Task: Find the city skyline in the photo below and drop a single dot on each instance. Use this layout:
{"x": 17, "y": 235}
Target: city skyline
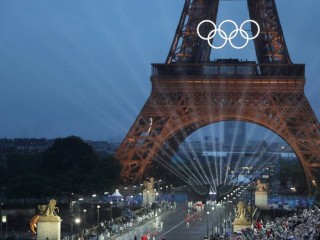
{"x": 82, "y": 68}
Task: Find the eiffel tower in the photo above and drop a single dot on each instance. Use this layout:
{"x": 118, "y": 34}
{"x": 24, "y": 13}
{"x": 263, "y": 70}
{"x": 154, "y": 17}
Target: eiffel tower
{"x": 189, "y": 92}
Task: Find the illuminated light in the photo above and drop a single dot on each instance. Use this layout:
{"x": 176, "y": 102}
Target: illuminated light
{"x": 231, "y": 36}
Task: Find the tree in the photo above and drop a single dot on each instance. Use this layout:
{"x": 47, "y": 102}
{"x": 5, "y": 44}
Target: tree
{"x": 28, "y": 186}
{"x": 73, "y": 166}
{"x": 105, "y": 174}
{"x": 293, "y": 171}
{"x": 69, "y": 166}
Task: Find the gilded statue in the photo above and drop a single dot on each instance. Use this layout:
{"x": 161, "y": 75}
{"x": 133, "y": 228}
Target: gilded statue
{"x": 48, "y": 210}
{"x": 149, "y": 185}
{"x": 241, "y": 210}
{"x": 261, "y": 187}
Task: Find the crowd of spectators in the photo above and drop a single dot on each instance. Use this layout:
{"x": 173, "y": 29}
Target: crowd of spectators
{"x": 303, "y": 226}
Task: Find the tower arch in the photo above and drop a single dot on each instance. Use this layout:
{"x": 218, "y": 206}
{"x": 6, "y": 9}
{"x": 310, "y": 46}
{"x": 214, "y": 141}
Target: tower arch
{"x": 189, "y": 91}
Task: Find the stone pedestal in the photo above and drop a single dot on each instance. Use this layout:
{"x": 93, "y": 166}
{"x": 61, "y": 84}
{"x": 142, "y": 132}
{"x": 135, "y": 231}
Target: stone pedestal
{"x": 240, "y": 224}
{"x": 149, "y": 197}
{"x": 261, "y": 200}
{"x": 49, "y": 228}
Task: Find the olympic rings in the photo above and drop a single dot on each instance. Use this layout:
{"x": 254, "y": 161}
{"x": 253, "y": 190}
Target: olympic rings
{"x": 231, "y": 36}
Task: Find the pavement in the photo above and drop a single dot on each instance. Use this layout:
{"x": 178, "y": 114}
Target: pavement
{"x": 174, "y": 226}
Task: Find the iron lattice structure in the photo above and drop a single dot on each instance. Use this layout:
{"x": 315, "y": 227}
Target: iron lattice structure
{"x": 189, "y": 92}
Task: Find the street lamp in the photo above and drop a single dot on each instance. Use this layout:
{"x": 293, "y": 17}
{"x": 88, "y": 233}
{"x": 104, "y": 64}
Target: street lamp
{"x": 111, "y": 211}
{"x": 208, "y": 225}
{"x": 212, "y": 219}
{"x": 98, "y": 215}
{"x": 225, "y": 215}
{"x": 219, "y": 217}
{"x": 84, "y": 219}
{"x": 131, "y": 210}
{"x": 148, "y": 201}
{"x": 1, "y": 203}
{"x": 4, "y": 220}
{"x": 77, "y": 222}
{"x": 98, "y": 210}
{"x": 159, "y": 181}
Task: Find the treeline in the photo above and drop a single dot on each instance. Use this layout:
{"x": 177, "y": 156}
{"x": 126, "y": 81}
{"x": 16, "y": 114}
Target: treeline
{"x": 68, "y": 166}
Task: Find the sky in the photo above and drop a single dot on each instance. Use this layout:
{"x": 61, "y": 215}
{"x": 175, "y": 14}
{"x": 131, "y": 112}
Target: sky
{"x": 82, "y": 67}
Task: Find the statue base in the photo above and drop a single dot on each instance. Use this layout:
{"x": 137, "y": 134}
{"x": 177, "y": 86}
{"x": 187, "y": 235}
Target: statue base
{"x": 261, "y": 200}
{"x": 240, "y": 224}
{"x": 149, "y": 197}
{"x": 49, "y": 227}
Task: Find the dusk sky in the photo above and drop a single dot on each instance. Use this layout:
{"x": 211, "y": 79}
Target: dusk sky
{"x": 82, "y": 67}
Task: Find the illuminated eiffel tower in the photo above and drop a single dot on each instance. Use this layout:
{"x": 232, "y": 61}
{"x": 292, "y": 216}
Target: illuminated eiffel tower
{"x": 189, "y": 92}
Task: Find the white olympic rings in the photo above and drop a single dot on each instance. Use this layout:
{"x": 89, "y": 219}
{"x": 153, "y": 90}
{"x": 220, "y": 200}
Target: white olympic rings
{"x": 224, "y": 35}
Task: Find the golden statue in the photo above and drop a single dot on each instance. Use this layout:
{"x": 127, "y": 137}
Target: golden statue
{"x": 33, "y": 224}
{"x": 241, "y": 210}
{"x": 45, "y": 210}
{"x": 50, "y": 209}
{"x": 149, "y": 185}
{"x": 261, "y": 187}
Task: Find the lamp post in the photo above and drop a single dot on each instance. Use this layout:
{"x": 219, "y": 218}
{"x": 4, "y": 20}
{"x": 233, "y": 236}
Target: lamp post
{"x": 111, "y": 211}
{"x": 159, "y": 181}
{"x": 98, "y": 216}
{"x": 1, "y": 204}
{"x": 4, "y": 220}
{"x": 77, "y": 222}
{"x": 131, "y": 209}
{"x": 1, "y": 220}
{"x": 208, "y": 224}
{"x": 219, "y": 217}
{"x": 71, "y": 214}
{"x": 225, "y": 215}
{"x": 147, "y": 201}
{"x": 84, "y": 220}
{"x": 212, "y": 219}
{"x": 251, "y": 189}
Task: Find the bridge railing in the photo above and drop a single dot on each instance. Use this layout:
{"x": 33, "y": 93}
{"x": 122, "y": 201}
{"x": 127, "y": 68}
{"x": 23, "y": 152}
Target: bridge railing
{"x": 243, "y": 69}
